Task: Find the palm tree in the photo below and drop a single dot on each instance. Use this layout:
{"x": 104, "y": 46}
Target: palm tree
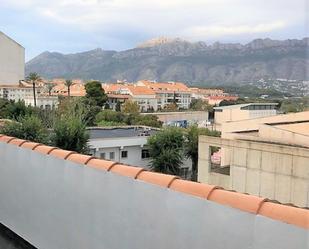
{"x": 68, "y": 84}
{"x": 49, "y": 87}
{"x": 34, "y": 78}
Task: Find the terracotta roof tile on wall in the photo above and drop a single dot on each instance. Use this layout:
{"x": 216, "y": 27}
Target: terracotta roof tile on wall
{"x": 44, "y": 149}
{"x": 62, "y": 154}
{"x": 30, "y": 145}
{"x": 79, "y": 158}
{"x": 193, "y": 188}
{"x": 6, "y": 139}
{"x": 126, "y": 170}
{"x": 156, "y": 178}
{"x": 249, "y": 203}
{"x": 17, "y": 141}
{"x": 287, "y": 214}
{"x": 101, "y": 164}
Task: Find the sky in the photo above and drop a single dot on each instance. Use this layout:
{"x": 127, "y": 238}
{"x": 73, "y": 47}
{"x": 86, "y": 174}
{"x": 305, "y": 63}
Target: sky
{"x": 70, "y": 26}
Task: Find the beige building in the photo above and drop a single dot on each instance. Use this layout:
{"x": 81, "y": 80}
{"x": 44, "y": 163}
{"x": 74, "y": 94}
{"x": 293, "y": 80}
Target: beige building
{"x": 12, "y": 61}
{"x": 230, "y": 113}
{"x": 267, "y": 157}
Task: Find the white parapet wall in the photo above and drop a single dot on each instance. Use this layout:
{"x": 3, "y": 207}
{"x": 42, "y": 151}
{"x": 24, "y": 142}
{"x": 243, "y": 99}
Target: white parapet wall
{"x": 59, "y": 204}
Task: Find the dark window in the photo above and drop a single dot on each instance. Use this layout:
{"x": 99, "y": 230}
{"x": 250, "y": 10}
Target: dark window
{"x": 112, "y": 155}
{"x": 124, "y": 154}
{"x": 102, "y": 155}
{"x": 145, "y": 154}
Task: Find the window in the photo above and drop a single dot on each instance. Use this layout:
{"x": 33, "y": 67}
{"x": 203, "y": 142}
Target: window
{"x": 112, "y": 155}
{"x": 102, "y": 155}
{"x": 124, "y": 154}
{"x": 219, "y": 160}
{"x": 145, "y": 154}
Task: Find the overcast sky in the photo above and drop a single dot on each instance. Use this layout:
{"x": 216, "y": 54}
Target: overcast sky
{"x": 70, "y": 26}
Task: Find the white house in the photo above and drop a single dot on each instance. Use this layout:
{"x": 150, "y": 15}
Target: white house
{"x": 127, "y": 145}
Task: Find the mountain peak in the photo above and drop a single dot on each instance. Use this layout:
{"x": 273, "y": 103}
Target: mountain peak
{"x": 159, "y": 41}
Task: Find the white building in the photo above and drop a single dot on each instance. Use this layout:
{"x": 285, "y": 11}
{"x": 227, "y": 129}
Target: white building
{"x": 12, "y": 61}
{"x": 121, "y": 144}
{"x": 24, "y": 92}
{"x": 127, "y": 145}
{"x": 43, "y": 101}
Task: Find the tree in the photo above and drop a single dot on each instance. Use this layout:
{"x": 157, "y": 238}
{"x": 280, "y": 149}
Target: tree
{"x": 118, "y": 107}
{"x": 49, "y": 87}
{"x": 171, "y": 107}
{"x": 166, "y": 151}
{"x": 200, "y": 105}
{"x": 95, "y": 92}
{"x": 29, "y": 128}
{"x": 70, "y": 131}
{"x": 34, "y": 78}
{"x": 148, "y": 120}
{"x": 130, "y": 107}
{"x": 16, "y": 110}
{"x": 191, "y": 145}
{"x": 68, "y": 84}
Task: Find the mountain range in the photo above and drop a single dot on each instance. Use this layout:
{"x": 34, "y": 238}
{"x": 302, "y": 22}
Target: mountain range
{"x": 165, "y": 59}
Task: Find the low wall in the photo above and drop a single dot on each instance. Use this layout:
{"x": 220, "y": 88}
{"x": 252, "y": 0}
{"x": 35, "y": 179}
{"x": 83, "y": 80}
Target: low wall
{"x": 57, "y": 203}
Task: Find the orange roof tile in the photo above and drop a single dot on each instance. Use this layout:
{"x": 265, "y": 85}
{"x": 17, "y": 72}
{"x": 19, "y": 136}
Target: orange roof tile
{"x": 101, "y": 164}
{"x": 30, "y": 145}
{"x": 126, "y": 170}
{"x": 287, "y": 214}
{"x": 157, "y": 178}
{"x": 166, "y": 86}
{"x": 79, "y": 158}
{"x": 249, "y": 203}
{"x": 193, "y": 188}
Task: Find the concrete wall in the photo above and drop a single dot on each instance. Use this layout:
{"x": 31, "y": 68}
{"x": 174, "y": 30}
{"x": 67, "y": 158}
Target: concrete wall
{"x": 53, "y": 203}
{"x": 12, "y": 61}
{"x": 267, "y": 170}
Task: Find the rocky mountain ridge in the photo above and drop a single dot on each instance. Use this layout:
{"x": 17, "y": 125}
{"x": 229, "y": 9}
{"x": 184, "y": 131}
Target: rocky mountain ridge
{"x": 166, "y": 59}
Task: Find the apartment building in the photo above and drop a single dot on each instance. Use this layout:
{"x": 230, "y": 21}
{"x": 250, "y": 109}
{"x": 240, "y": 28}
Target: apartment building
{"x": 24, "y": 92}
{"x": 169, "y": 92}
{"x": 12, "y": 61}
{"x": 266, "y": 157}
{"x": 15, "y": 93}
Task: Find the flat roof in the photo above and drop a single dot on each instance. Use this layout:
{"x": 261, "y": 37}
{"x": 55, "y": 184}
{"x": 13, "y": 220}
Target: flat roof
{"x": 241, "y": 105}
{"x": 118, "y": 132}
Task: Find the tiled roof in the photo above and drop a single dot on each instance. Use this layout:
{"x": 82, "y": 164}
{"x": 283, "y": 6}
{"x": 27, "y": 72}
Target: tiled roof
{"x": 166, "y": 86}
{"x": 248, "y": 203}
{"x": 133, "y": 89}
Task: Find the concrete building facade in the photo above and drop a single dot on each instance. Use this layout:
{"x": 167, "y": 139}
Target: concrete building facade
{"x": 12, "y": 61}
{"x": 232, "y": 113}
{"x": 267, "y": 157}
